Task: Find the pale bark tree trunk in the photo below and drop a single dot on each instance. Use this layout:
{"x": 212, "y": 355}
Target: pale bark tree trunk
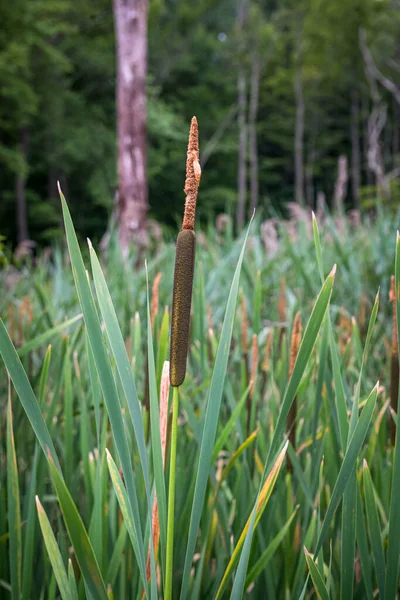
{"x": 321, "y": 205}
{"x": 309, "y": 182}
{"x": 131, "y": 45}
{"x": 299, "y": 125}
{"x": 22, "y": 213}
{"x": 253, "y": 151}
{"x": 376, "y": 124}
{"x": 355, "y": 149}
{"x": 241, "y": 87}
{"x": 341, "y": 185}
{"x": 377, "y": 118}
{"x": 365, "y": 109}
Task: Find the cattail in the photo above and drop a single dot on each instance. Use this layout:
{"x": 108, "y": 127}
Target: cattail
{"x": 295, "y": 342}
{"x": 294, "y": 349}
{"x": 345, "y": 329}
{"x": 154, "y": 300}
{"x": 164, "y": 393}
{"x": 153, "y": 314}
{"x": 268, "y": 351}
{"x": 266, "y": 362}
{"x": 363, "y": 312}
{"x": 253, "y": 377}
{"x": 254, "y": 364}
{"x": 394, "y": 371}
{"x": 184, "y": 265}
{"x": 21, "y": 314}
{"x": 24, "y": 314}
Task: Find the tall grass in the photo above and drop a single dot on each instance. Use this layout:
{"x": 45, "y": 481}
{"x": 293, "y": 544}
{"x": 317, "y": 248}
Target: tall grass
{"x": 269, "y": 502}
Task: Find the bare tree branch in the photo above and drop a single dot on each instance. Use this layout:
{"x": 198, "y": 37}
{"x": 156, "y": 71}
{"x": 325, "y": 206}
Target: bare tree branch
{"x": 217, "y": 135}
{"x": 373, "y": 70}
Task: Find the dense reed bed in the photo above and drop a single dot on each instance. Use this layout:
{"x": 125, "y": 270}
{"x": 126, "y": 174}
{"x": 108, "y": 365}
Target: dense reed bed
{"x": 281, "y": 454}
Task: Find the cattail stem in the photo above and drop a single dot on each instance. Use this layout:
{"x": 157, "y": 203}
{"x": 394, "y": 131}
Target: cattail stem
{"x": 171, "y": 497}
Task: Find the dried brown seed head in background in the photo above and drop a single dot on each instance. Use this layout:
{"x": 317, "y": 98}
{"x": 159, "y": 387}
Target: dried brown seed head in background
{"x": 154, "y": 300}
{"x": 295, "y": 342}
{"x": 254, "y": 364}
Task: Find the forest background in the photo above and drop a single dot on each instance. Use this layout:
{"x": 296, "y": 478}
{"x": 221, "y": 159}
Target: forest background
{"x": 297, "y": 101}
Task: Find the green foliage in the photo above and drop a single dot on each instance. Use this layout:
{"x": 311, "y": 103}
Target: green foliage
{"x": 78, "y": 435}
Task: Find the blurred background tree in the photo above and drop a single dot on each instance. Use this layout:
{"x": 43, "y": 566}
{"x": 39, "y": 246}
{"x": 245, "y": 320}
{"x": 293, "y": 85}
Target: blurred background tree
{"x": 281, "y": 89}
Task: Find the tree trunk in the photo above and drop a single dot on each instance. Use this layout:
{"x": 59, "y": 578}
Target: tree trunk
{"x": 376, "y": 124}
{"x": 309, "y": 182}
{"x": 253, "y": 152}
{"x": 355, "y": 149}
{"x": 341, "y": 185}
{"x": 22, "y": 214}
{"x": 365, "y": 109}
{"x": 241, "y": 86}
{"x": 131, "y": 45}
{"x": 299, "y": 125}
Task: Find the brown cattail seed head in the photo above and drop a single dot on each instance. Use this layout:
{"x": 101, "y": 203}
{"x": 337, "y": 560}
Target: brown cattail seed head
{"x": 184, "y": 264}
{"x": 254, "y": 364}
{"x": 181, "y": 303}
{"x": 363, "y": 311}
{"x": 295, "y": 342}
{"x": 193, "y": 174}
{"x": 268, "y": 350}
{"x": 154, "y": 300}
